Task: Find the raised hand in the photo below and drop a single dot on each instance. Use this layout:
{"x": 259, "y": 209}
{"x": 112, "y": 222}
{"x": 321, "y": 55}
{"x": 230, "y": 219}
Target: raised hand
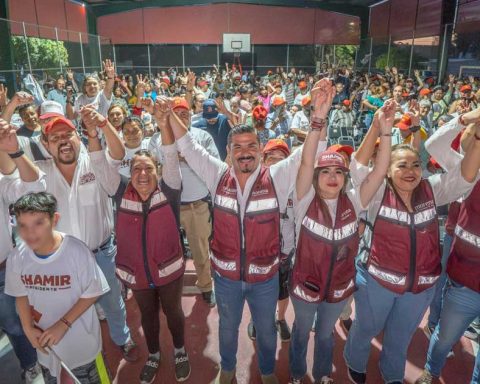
{"x": 394, "y": 71}
{"x": 191, "y": 81}
{"x": 386, "y": 116}
{"x": 322, "y": 95}
{"x": 162, "y": 108}
{"x": 140, "y": 87}
{"x": 22, "y": 98}
{"x": 109, "y": 68}
{"x": 451, "y": 78}
{"x": 8, "y": 138}
{"x": 3, "y": 95}
{"x": 221, "y": 106}
{"x": 91, "y": 118}
{"x": 69, "y": 74}
{"x": 416, "y": 72}
{"x": 414, "y": 113}
{"x": 147, "y": 104}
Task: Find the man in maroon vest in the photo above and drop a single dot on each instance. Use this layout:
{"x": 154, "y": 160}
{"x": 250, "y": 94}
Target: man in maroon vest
{"x": 248, "y": 199}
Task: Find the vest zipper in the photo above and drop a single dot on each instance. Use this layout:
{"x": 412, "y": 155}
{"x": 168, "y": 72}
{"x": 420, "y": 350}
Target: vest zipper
{"x": 333, "y": 257}
{"x": 413, "y": 253}
{"x": 145, "y": 206}
{"x": 243, "y": 247}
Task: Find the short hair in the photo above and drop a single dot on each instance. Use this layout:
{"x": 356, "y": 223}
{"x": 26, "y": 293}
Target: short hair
{"x": 425, "y": 103}
{"x": 240, "y": 129}
{"x": 133, "y": 119}
{"x": 145, "y": 153}
{"x": 23, "y": 108}
{"x": 446, "y": 118}
{"x": 404, "y": 147}
{"x": 117, "y": 105}
{"x": 39, "y": 202}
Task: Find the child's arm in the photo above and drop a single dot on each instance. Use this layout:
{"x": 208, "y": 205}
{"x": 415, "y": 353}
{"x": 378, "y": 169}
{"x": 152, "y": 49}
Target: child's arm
{"x": 54, "y": 334}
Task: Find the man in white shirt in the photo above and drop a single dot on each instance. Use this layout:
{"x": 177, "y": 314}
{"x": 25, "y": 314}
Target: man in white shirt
{"x": 194, "y": 208}
{"x": 56, "y": 281}
{"x": 14, "y": 184}
{"x": 81, "y": 182}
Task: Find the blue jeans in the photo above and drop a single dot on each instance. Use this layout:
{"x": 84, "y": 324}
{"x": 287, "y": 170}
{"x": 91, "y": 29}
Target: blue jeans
{"x": 10, "y": 324}
{"x": 377, "y": 309}
{"x": 436, "y": 305}
{"x": 112, "y": 302}
{"x": 327, "y": 315}
{"x": 262, "y": 301}
{"x": 461, "y": 306}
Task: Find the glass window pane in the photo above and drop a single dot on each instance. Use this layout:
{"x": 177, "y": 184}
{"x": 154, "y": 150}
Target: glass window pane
{"x": 302, "y": 57}
{"x": 131, "y": 57}
{"x": 269, "y": 57}
{"x": 200, "y": 56}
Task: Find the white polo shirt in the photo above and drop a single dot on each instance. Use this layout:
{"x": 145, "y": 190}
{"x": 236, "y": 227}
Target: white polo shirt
{"x": 11, "y": 189}
{"x": 85, "y": 206}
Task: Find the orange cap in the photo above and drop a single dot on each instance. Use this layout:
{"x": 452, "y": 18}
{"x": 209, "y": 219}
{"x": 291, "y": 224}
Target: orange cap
{"x": 405, "y": 123}
{"x": 276, "y": 144}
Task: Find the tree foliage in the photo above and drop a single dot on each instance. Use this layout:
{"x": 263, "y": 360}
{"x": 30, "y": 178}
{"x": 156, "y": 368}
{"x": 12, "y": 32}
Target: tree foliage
{"x": 44, "y": 53}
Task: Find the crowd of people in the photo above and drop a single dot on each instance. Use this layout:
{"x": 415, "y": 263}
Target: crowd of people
{"x": 318, "y": 189}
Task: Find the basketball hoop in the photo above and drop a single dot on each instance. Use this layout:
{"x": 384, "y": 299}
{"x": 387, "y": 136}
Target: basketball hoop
{"x": 236, "y": 53}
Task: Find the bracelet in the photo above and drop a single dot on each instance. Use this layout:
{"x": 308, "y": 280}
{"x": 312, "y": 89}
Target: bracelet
{"x": 66, "y": 322}
{"x": 103, "y": 124}
{"x": 461, "y": 120}
{"x": 17, "y": 154}
{"x": 387, "y": 134}
{"x": 110, "y": 78}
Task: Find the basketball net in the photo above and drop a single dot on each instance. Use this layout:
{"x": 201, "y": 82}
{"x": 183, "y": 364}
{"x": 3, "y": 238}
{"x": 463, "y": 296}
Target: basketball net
{"x": 236, "y": 60}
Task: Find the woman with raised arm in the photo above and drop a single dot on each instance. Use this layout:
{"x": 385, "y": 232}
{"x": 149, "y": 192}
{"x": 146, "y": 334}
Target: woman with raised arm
{"x": 326, "y": 216}
{"x": 399, "y": 263}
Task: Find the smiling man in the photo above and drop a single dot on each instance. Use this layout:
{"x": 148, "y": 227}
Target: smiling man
{"x": 248, "y": 198}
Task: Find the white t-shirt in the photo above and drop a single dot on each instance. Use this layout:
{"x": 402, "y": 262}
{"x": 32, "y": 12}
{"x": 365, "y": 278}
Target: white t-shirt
{"x": 129, "y": 153}
{"x": 53, "y": 286}
{"x": 300, "y": 121}
{"x": 100, "y": 102}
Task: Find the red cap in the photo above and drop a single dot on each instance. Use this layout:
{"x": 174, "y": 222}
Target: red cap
{"x": 277, "y": 101}
{"x": 302, "y": 85}
{"x": 202, "y": 83}
{"x": 259, "y": 112}
{"x": 466, "y": 88}
{"x": 58, "y": 121}
{"x": 346, "y": 102}
{"x": 405, "y": 94}
{"x": 166, "y": 80}
{"x": 179, "y": 103}
{"x": 405, "y": 123}
{"x": 331, "y": 159}
{"x": 348, "y": 149}
{"x": 276, "y": 144}
{"x": 306, "y": 100}
{"x": 425, "y": 92}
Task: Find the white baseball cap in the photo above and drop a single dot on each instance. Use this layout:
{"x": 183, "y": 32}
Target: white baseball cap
{"x": 50, "y": 108}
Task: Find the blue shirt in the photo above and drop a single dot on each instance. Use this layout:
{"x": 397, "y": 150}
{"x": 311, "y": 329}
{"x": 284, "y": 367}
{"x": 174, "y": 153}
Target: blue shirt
{"x": 58, "y": 96}
{"x": 219, "y": 132}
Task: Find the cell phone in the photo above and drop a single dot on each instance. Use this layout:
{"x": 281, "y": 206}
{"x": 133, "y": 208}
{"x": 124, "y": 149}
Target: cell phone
{"x": 313, "y": 287}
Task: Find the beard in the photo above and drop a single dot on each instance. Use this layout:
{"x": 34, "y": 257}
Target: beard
{"x": 68, "y": 158}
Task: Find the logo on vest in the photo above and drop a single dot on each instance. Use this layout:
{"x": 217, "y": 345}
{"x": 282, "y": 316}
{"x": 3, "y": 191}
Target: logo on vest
{"x": 87, "y": 178}
{"x": 426, "y": 205}
{"x": 47, "y": 282}
{"x": 260, "y": 192}
{"x": 345, "y": 214}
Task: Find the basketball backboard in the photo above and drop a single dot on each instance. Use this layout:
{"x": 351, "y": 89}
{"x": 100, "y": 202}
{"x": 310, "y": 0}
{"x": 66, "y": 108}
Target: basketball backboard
{"x": 236, "y": 43}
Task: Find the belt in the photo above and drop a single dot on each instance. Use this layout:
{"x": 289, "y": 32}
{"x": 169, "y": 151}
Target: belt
{"x": 102, "y": 246}
{"x": 196, "y": 202}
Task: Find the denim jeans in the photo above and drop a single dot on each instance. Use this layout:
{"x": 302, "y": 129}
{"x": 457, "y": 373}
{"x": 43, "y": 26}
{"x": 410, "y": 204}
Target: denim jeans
{"x": 262, "y": 301}
{"x": 10, "y": 324}
{"x": 327, "y": 315}
{"x": 377, "y": 309}
{"x": 461, "y": 306}
{"x": 112, "y": 302}
{"x": 436, "y": 305}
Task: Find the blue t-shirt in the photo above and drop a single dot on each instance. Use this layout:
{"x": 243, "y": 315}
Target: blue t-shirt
{"x": 219, "y": 132}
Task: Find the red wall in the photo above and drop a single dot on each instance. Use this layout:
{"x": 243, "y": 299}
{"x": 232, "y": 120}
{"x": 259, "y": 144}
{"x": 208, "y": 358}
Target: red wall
{"x": 62, "y": 14}
{"x": 206, "y": 25}
{"x": 400, "y": 18}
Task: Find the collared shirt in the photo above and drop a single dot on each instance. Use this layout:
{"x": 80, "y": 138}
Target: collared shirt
{"x": 11, "y": 189}
{"x": 193, "y": 188}
{"x": 211, "y": 170}
{"x": 58, "y": 96}
{"x": 85, "y": 206}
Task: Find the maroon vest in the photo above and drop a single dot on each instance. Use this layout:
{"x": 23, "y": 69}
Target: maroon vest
{"x": 148, "y": 241}
{"x": 324, "y": 266}
{"x": 405, "y": 247}
{"x": 464, "y": 262}
{"x": 257, "y": 260}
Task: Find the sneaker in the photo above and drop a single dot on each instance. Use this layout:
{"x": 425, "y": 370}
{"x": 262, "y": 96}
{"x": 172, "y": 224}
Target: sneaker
{"x": 225, "y": 377}
{"x": 295, "y": 381}
{"x": 269, "y": 379}
{"x": 326, "y": 380}
{"x": 33, "y": 375}
{"x": 471, "y": 333}
{"x": 130, "y": 351}
{"x": 182, "y": 366}
{"x": 149, "y": 371}
{"x": 426, "y": 378}
{"x": 209, "y": 298}
{"x": 357, "y": 377}
{"x": 283, "y": 330}
{"x": 428, "y": 331}
{"x": 252, "y": 333}
{"x": 346, "y": 324}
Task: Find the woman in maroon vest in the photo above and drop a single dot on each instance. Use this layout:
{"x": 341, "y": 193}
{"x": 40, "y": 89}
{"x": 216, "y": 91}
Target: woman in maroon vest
{"x": 150, "y": 257}
{"x": 399, "y": 262}
{"x": 326, "y": 216}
